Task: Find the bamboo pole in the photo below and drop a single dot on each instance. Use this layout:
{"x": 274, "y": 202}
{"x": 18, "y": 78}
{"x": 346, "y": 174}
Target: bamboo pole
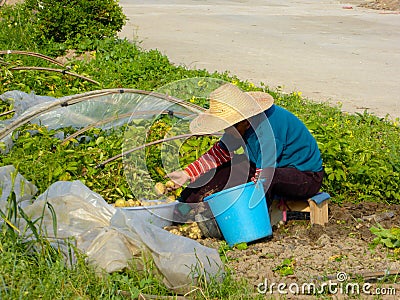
{"x": 65, "y": 72}
{"x": 108, "y": 120}
{"x": 34, "y": 54}
{"x": 7, "y": 113}
{"x": 181, "y": 136}
{"x": 74, "y": 99}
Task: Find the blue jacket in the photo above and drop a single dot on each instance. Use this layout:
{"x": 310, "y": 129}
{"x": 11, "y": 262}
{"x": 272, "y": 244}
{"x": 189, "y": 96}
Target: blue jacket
{"x": 277, "y": 138}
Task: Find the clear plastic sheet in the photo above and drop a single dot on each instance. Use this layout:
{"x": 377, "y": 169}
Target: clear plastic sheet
{"x": 110, "y": 109}
{"x": 12, "y": 181}
{"x": 110, "y": 239}
{"x": 81, "y": 110}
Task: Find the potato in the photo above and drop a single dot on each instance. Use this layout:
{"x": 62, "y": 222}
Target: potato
{"x": 131, "y": 202}
{"x": 119, "y": 203}
{"x": 171, "y": 198}
{"x": 159, "y": 188}
{"x": 169, "y": 184}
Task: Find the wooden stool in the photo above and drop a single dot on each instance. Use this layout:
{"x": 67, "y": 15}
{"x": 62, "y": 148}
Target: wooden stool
{"x": 317, "y": 206}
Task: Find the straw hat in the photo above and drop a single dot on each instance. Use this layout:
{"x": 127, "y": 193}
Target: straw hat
{"x": 228, "y": 106}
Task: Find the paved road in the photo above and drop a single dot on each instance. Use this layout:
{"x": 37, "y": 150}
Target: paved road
{"x": 319, "y": 47}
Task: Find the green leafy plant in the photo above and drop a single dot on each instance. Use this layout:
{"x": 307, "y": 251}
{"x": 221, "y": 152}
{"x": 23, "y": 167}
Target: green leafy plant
{"x": 16, "y": 27}
{"x": 286, "y": 267}
{"x": 390, "y": 238}
{"x": 223, "y": 249}
{"x": 361, "y": 162}
{"x": 74, "y": 21}
{"x": 242, "y": 246}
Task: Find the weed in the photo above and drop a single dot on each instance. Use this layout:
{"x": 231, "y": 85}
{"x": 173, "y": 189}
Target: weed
{"x": 286, "y": 267}
{"x": 390, "y": 238}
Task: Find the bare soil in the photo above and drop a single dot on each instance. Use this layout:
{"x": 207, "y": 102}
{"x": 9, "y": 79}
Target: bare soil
{"x": 391, "y": 5}
{"x": 342, "y": 245}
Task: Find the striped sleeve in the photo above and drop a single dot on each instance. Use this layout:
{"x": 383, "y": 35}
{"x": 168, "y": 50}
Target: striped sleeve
{"x": 257, "y": 175}
{"x": 213, "y": 158}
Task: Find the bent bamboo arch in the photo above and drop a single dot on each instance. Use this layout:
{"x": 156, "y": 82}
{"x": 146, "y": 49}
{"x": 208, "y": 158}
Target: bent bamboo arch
{"x": 115, "y": 118}
{"x": 34, "y": 54}
{"x": 181, "y": 136}
{"x": 74, "y": 99}
{"x": 64, "y": 71}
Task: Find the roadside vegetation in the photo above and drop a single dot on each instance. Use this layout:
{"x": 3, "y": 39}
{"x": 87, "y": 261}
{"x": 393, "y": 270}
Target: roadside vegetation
{"x": 361, "y": 152}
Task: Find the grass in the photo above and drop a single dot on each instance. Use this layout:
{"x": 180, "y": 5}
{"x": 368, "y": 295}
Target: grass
{"x": 31, "y": 274}
{"x": 32, "y": 268}
{"x": 361, "y": 154}
{"x": 34, "y": 275}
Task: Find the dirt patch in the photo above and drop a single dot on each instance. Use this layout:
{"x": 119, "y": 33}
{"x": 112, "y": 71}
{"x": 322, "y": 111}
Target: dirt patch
{"x": 73, "y": 55}
{"x": 391, "y": 5}
{"x": 343, "y": 245}
{"x": 10, "y": 2}
{"x": 387, "y": 5}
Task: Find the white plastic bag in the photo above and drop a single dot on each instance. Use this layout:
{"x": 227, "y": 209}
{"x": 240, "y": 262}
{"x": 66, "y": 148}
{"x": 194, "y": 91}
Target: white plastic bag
{"x": 110, "y": 239}
{"x": 10, "y": 181}
{"x": 182, "y": 261}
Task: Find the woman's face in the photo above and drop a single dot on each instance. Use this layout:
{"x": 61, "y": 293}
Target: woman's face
{"x": 238, "y": 129}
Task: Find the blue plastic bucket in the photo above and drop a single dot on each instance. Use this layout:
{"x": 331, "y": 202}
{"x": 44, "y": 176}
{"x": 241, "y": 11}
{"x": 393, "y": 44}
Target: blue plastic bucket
{"x": 241, "y": 213}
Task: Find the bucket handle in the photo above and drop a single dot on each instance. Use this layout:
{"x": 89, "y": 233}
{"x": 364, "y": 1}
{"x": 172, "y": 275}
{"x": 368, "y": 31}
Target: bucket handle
{"x": 259, "y": 184}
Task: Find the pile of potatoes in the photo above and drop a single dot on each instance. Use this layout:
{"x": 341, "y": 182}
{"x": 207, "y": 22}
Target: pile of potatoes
{"x": 160, "y": 189}
{"x": 191, "y": 230}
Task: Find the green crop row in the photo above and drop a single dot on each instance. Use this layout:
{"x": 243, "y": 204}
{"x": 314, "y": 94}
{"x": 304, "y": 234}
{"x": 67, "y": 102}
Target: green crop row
{"x": 361, "y": 152}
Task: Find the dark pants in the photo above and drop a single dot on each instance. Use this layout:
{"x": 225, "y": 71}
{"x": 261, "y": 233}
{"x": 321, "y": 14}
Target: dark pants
{"x": 283, "y": 182}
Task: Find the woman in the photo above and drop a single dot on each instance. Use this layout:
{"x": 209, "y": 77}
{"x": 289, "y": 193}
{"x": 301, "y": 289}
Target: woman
{"x": 277, "y": 147}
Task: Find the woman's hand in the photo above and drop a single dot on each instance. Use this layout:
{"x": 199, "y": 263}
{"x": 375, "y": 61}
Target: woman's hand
{"x": 178, "y": 177}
